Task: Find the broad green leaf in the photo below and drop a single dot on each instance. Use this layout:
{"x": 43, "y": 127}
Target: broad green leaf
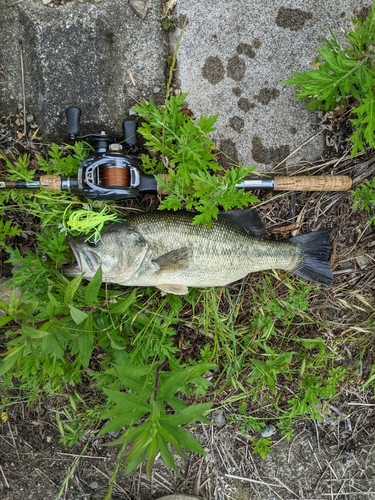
{"x": 169, "y": 436}
{"x": 189, "y": 415}
{"x": 34, "y": 333}
{"x": 136, "y": 458}
{"x": 139, "y": 447}
{"x": 123, "y": 401}
{"x": 127, "y": 417}
{"x": 128, "y": 410}
{"x": 3, "y": 306}
{"x": 123, "y": 304}
{"x": 176, "y": 404}
{"x": 283, "y": 359}
{"x": 175, "y": 302}
{"x": 72, "y": 289}
{"x": 92, "y": 289}
{"x": 151, "y": 454}
{"x": 77, "y": 316}
{"x": 133, "y": 433}
{"x": 5, "y": 319}
{"x": 166, "y": 455}
{"x": 85, "y": 343}
{"x": 27, "y": 309}
{"x": 11, "y": 357}
{"x": 177, "y": 380}
{"x": 365, "y": 122}
{"x": 136, "y": 378}
{"x": 184, "y": 439}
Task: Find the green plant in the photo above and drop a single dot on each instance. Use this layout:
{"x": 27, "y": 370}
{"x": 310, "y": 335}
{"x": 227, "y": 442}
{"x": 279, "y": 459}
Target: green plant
{"x": 189, "y": 157}
{"x": 273, "y": 365}
{"x": 51, "y": 208}
{"x": 261, "y": 446}
{"x": 7, "y": 230}
{"x": 343, "y": 73}
{"x": 275, "y": 309}
{"x": 364, "y": 198}
{"x": 168, "y": 24}
{"x": 151, "y": 392}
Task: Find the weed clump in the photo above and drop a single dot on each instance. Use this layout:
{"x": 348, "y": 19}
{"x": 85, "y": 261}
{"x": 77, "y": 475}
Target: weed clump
{"x": 344, "y": 74}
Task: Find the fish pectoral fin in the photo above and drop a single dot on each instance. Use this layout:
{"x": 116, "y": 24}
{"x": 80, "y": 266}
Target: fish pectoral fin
{"x": 175, "y": 289}
{"x": 173, "y": 261}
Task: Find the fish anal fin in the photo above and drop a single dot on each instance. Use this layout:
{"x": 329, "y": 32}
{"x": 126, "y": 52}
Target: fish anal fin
{"x": 248, "y": 218}
{"x": 175, "y": 289}
{"x": 173, "y": 260}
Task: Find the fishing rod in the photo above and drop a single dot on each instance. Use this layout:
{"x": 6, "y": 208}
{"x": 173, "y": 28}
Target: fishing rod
{"x": 110, "y": 174}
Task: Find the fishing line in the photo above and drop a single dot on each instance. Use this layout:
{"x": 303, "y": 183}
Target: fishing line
{"x": 114, "y": 176}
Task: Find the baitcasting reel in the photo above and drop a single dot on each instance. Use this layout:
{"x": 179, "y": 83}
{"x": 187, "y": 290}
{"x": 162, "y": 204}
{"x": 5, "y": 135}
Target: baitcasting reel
{"x": 108, "y": 174}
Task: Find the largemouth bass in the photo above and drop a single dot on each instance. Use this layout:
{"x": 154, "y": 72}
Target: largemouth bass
{"x": 164, "y": 249}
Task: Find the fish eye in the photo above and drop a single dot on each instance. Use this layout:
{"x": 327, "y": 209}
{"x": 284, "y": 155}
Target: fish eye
{"x": 93, "y": 243}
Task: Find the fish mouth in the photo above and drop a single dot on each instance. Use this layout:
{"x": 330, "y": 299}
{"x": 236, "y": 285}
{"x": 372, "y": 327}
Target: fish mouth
{"x": 87, "y": 262}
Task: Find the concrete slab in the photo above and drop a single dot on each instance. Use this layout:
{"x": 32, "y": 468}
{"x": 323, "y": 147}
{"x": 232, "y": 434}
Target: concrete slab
{"x": 94, "y": 55}
{"x": 232, "y": 58}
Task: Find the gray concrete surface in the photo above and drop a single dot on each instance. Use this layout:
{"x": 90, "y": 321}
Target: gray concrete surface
{"x": 232, "y": 58}
{"x": 91, "y": 54}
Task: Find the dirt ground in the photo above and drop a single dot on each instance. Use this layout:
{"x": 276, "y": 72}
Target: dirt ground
{"x": 331, "y": 460}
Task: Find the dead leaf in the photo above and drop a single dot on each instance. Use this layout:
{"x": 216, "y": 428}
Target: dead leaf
{"x": 168, "y": 7}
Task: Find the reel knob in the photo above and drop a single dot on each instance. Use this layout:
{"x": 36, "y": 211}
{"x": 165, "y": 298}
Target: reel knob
{"x": 73, "y": 115}
{"x": 130, "y": 129}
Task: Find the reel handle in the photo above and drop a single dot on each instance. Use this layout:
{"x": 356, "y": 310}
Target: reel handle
{"x": 130, "y": 129}
{"x": 73, "y": 115}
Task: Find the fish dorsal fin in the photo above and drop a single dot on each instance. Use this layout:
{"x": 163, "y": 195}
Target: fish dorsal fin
{"x": 247, "y": 218}
{"x": 173, "y": 260}
{"x": 175, "y": 289}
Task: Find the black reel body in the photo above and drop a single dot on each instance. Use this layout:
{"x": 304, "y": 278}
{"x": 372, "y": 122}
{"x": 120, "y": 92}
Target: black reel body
{"x": 108, "y": 174}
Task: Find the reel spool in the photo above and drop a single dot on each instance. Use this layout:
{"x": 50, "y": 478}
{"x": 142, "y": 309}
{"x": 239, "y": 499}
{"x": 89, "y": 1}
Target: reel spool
{"x": 109, "y": 176}
{"x": 116, "y": 175}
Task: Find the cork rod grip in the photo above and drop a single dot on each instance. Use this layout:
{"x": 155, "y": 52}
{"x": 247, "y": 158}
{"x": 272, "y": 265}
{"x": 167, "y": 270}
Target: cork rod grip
{"x": 313, "y": 183}
{"x": 302, "y": 183}
{"x": 50, "y": 182}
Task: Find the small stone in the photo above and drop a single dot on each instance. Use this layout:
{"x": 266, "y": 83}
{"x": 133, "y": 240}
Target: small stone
{"x": 218, "y": 418}
{"x": 46, "y": 2}
{"x": 156, "y": 90}
{"x": 363, "y": 261}
{"x": 114, "y": 433}
{"x": 180, "y": 497}
{"x": 94, "y": 485}
{"x": 268, "y": 431}
{"x": 139, "y": 7}
{"x": 29, "y": 118}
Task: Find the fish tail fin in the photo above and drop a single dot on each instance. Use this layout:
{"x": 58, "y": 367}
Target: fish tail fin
{"x": 315, "y": 248}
